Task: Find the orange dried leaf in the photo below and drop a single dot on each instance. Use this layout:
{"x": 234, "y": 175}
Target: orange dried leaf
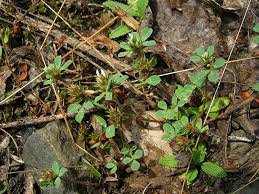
{"x": 245, "y": 95}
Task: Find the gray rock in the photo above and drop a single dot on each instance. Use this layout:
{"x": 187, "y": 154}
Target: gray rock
{"x": 47, "y": 145}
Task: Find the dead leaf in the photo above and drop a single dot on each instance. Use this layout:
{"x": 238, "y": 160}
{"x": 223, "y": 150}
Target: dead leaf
{"x": 129, "y": 20}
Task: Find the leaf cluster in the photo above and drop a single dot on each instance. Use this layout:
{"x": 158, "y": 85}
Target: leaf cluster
{"x": 136, "y": 42}
{"x": 53, "y": 178}
{"x": 55, "y": 70}
{"x": 131, "y": 155}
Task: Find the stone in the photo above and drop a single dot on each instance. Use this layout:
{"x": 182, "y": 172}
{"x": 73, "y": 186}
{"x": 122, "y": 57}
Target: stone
{"x": 49, "y": 144}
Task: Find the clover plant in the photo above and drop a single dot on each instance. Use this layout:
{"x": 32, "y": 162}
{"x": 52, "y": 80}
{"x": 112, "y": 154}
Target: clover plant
{"x": 53, "y": 177}
{"x": 131, "y": 155}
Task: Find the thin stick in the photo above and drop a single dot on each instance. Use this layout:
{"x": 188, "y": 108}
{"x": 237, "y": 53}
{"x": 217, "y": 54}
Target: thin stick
{"x": 11, "y": 138}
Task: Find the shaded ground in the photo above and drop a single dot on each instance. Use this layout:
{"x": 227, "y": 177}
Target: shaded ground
{"x": 34, "y": 133}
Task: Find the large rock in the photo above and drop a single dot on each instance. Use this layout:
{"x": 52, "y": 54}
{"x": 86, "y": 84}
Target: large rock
{"x": 47, "y": 145}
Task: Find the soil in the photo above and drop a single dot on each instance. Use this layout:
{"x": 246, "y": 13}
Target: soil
{"x": 36, "y": 130}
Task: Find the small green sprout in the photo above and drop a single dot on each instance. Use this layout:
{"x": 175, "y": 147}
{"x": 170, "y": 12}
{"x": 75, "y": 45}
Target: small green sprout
{"x": 255, "y": 87}
{"x": 112, "y": 166}
{"x": 55, "y": 70}
{"x": 210, "y": 64}
{"x": 53, "y": 177}
{"x": 106, "y": 82}
{"x": 108, "y": 130}
{"x": 131, "y": 155}
{"x": 80, "y": 109}
{"x": 136, "y": 42}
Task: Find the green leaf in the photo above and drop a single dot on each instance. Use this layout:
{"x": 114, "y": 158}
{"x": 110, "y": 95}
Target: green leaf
{"x": 57, "y": 182}
{"x": 199, "y": 154}
{"x": 195, "y": 58}
{"x": 219, "y": 104}
{"x": 168, "y": 136}
{"x": 80, "y": 115}
{"x": 3, "y": 184}
{"x": 205, "y": 128}
{"x": 100, "y": 120}
{"x": 44, "y": 184}
{"x": 141, "y": 6}
{"x": 88, "y": 105}
{"x": 55, "y": 168}
{"x": 199, "y": 78}
{"x": 168, "y": 128}
{"x": 162, "y": 105}
{"x": 255, "y": 87}
{"x": 210, "y": 50}
{"x": 220, "y": 62}
{"x": 184, "y": 120}
{"x": 113, "y": 5}
{"x": 125, "y": 150}
{"x": 110, "y": 131}
{"x": 98, "y": 98}
{"x": 108, "y": 96}
{"x": 48, "y": 82}
{"x": 168, "y": 160}
{"x": 110, "y": 165}
{"x": 58, "y": 61}
{"x": 256, "y": 39}
{"x": 213, "y": 75}
{"x": 114, "y": 169}
{"x": 153, "y": 80}
{"x": 127, "y": 160}
{"x": 66, "y": 65}
{"x": 199, "y": 124}
{"x": 62, "y": 171}
{"x": 92, "y": 169}
{"x": 191, "y": 175}
{"x": 177, "y": 126}
{"x": 125, "y": 46}
{"x": 145, "y": 33}
{"x": 120, "y": 31}
{"x": 118, "y": 79}
{"x": 1, "y": 53}
{"x": 149, "y": 43}
{"x": 200, "y": 51}
{"x": 125, "y": 53}
{"x": 6, "y": 35}
{"x": 213, "y": 169}
{"x": 73, "y": 108}
{"x": 138, "y": 154}
{"x": 256, "y": 27}
{"x": 134, "y": 165}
